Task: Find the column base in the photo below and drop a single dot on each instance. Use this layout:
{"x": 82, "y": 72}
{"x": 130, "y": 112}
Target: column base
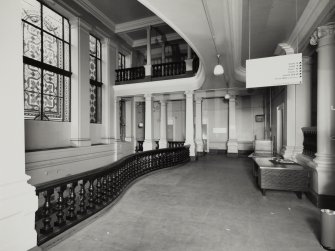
{"x": 163, "y": 144}
{"x": 149, "y": 145}
{"x": 192, "y": 148}
{"x": 18, "y": 206}
{"x": 232, "y": 146}
{"x": 200, "y": 145}
{"x": 80, "y": 142}
{"x": 107, "y": 141}
{"x": 324, "y": 177}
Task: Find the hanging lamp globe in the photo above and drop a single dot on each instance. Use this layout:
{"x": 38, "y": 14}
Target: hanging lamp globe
{"x": 218, "y": 69}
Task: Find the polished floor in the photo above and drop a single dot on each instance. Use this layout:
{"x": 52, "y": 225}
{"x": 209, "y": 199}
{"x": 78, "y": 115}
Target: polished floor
{"x": 212, "y": 204}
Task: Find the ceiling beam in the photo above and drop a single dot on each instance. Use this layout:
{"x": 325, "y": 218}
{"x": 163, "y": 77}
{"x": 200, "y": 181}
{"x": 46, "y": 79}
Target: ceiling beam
{"x": 138, "y": 24}
{"x": 143, "y": 42}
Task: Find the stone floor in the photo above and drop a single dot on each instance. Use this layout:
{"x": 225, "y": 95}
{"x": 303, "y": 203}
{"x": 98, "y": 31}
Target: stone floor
{"x": 211, "y": 204}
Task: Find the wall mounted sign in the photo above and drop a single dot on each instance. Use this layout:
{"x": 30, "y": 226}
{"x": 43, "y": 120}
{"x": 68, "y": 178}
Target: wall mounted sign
{"x": 274, "y": 71}
{"x": 259, "y": 118}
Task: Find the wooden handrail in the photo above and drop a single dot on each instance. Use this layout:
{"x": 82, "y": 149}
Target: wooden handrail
{"x": 129, "y": 74}
{"x": 70, "y": 200}
{"x": 168, "y": 69}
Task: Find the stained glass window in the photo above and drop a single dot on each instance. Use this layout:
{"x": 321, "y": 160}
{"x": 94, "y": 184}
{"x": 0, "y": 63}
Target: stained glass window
{"x": 95, "y": 80}
{"x": 122, "y": 61}
{"x": 46, "y": 58}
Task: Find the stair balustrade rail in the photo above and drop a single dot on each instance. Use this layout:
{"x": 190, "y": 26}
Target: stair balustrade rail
{"x": 310, "y": 141}
{"x": 129, "y": 74}
{"x": 168, "y": 69}
{"x": 70, "y": 200}
{"x": 174, "y": 144}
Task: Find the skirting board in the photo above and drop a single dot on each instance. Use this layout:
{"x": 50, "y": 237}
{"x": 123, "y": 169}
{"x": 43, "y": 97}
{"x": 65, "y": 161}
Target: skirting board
{"x": 322, "y": 201}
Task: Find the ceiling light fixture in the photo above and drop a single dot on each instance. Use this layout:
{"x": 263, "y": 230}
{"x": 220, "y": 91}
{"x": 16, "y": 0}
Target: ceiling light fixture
{"x": 218, "y": 69}
{"x": 227, "y": 96}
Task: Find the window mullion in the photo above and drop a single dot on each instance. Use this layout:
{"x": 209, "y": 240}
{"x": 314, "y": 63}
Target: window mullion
{"x": 42, "y": 70}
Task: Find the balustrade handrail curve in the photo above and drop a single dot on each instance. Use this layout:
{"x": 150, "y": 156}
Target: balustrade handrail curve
{"x": 97, "y": 189}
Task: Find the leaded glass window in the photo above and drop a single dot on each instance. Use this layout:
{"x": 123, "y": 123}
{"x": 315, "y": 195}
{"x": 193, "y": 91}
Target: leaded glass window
{"x": 46, "y": 58}
{"x": 122, "y": 61}
{"x": 95, "y": 80}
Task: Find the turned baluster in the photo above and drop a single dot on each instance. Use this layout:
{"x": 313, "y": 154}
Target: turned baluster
{"x": 82, "y": 199}
{"x": 104, "y": 189}
{"x": 109, "y": 186}
{"x": 60, "y": 208}
{"x": 71, "y": 214}
{"x": 91, "y": 195}
{"x": 98, "y": 200}
{"x": 47, "y": 229}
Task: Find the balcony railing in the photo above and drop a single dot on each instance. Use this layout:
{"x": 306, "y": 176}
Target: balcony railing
{"x": 129, "y": 74}
{"x": 70, "y": 200}
{"x": 168, "y": 69}
{"x": 158, "y": 72}
{"x": 310, "y": 141}
{"x": 175, "y": 144}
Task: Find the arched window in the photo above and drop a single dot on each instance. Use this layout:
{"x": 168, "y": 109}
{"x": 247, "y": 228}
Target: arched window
{"x": 46, "y": 58}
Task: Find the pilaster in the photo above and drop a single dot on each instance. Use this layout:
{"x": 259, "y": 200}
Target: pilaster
{"x": 80, "y": 86}
{"x": 232, "y": 144}
{"x": 148, "y": 143}
{"x": 116, "y": 118}
{"x": 198, "y": 125}
{"x": 190, "y": 123}
{"x": 163, "y": 125}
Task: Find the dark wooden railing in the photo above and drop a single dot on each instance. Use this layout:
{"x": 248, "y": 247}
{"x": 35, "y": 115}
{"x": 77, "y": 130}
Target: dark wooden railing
{"x": 174, "y": 144}
{"x": 168, "y": 69}
{"x": 310, "y": 141}
{"x": 129, "y": 74}
{"x": 70, "y": 200}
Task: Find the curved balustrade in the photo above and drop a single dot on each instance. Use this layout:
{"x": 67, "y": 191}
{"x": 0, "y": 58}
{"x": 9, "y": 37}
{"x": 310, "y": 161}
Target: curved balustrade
{"x": 72, "y": 199}
{"x": 129, "y": 74}
{"x": 174, "y": 144}
{"x": 168, "y": 69}
{"x": 310, "y": 141}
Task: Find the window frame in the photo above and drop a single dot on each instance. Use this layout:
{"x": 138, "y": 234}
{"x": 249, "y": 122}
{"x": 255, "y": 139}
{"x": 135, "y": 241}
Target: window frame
{"x": 48, "y": 67}
{"x": 98, "y": 84}
{"x": 123, "y": 61}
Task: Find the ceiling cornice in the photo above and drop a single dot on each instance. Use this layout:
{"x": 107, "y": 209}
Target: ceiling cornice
{"x": 143, "y": 42}
{"x": 138, "y": 24}
{"x": 315, "y": 13}
{"x": 89, "y": 7}
{"x": 127, "y": 39}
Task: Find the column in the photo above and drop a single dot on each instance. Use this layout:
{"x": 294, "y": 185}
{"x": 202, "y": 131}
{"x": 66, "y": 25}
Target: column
{"x": 232, "y": 145}
{"x": 134, "y": 122}
{"x": 17, "y": 198}
{"x": 198, "y": 125}
{"x": 148, "y": 144}
{"x": 325, "y": 157}
{"x": 148, "y": 65}
{"x": 116, "y": 118}
{"x": 189, "y": 60}
{"x": 190, "y": 123}
{"x": 163, "y": 125}
{"x": 108, "y": 79}
{"x": 80, "y": 83}
{"x": 128, "y": 119}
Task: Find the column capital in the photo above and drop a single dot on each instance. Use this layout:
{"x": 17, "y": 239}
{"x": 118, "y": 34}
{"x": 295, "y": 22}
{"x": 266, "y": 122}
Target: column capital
{"x": 198, "y": 100}
{"x": 189, "y": 94}
{"x": 322, "y": 32}
{"x": 148, "y": 96}
{"x": 117, "y": 99}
